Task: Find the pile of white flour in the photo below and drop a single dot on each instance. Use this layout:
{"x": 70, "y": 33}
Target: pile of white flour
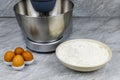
{"x": 83, "y": 53}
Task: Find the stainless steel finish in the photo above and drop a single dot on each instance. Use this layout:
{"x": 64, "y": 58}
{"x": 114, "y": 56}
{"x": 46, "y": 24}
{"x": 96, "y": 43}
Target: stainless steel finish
{"x": 43, "y": 47}
{"x": 45, "y": 28}
{"x": 30, "y": 9}
{"x": 48, "y": 46}
{"x": 57, "y": 9}
{"x": 44, "y": 31}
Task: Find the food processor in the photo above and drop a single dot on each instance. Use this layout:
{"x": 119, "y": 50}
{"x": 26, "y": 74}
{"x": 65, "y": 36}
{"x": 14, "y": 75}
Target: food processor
{"x": 44, "y": 26}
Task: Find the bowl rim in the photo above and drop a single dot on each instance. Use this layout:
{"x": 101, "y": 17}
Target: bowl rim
{"x": 86, "y": 67}
{"x": 71, "y": 10}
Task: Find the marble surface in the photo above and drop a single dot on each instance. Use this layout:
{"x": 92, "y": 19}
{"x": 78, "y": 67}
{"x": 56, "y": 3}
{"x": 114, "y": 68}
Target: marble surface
{"x": 47, "y": 66}
{"x": 92, "y": 8}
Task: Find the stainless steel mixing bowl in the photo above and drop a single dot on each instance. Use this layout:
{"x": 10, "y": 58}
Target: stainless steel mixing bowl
{"x": 44, "y": 27}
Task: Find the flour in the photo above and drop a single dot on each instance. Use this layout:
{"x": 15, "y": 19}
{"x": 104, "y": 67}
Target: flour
{"x": 83, "y": 53}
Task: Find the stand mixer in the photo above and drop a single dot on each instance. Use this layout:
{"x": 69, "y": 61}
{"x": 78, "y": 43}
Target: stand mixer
{"x": 44, "y": 28}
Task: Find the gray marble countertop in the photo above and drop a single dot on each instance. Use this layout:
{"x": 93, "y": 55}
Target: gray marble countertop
{"x": 47, "y": 66}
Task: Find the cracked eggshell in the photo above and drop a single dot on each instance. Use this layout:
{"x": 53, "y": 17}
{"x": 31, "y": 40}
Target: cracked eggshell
{"x": 18, "y": 68}
{"x": 29, "y": 62}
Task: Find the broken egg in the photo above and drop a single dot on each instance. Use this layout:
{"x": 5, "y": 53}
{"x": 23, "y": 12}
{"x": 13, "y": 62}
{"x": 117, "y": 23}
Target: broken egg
{"x": 18, "y": 62}
{"x": 28, "y": 57}
{"x": 8, "y": 57}
{"x": 19, "y": 51}
{"x": 18, "y": 58}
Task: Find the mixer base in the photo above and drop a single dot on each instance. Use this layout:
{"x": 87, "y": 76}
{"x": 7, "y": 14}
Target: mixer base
{"x": 43, "y": 47}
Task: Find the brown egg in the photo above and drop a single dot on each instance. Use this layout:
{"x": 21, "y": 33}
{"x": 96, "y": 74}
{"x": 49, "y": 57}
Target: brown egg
{"x": 19, "y": 51}
{"x": 27, "y": 55}
{"x": 18, "y": 61}
{"x": 9, "y": 55}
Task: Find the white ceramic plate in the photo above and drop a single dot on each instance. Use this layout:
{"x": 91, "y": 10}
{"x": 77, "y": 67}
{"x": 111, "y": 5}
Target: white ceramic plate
{"x": 85, "y": 68}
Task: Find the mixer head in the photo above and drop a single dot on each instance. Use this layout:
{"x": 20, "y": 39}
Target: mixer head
{"x": 43, "y": 5}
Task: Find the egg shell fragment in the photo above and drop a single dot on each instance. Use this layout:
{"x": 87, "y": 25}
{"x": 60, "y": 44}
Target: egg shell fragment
{"x": 8, "y": 63}
{"x": 29, "y": 62}
{"x": 27, "y": 55}
{"x": 9, "y": 55}
{"x": 18, "y": 68}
